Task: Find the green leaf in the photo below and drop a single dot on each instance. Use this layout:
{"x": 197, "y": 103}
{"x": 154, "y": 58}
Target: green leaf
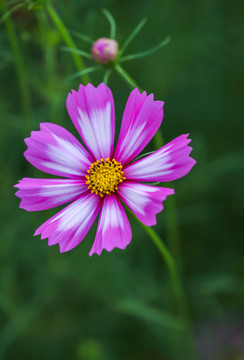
{"x": 148, "y": 313}
{"x": 112, "y": 23}
{"x": 77, "y": 51}
{"x": 147, "y": 52}
{"x": 82, "y": 72}
{"x": 10, "y": 11}
{"x": 106, "y": 76}
{"x": 126, "y": 77}
{"x": 82, "y": 37}
{"x": 210, "y": 284}
{"x": 133, "y": 34}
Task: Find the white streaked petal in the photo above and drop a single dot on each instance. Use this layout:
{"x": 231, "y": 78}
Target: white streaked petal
{"x": 41, "y": 194}
{"x": 144, "y": 200}
{"x": 92, "y": 112}
{"x": 169, "y": 163}
{"x": 56, "y": 151}
{"x": 69, "y": 227}
{"x": 113, "y": 227}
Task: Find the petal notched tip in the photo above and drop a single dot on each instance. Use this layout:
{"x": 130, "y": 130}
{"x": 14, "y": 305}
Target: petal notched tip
{"x": 145, "y": 201}
{"x": 141, "y": 119}
{"x": 88, "y": 86}
{"x": 36, "y": 233}
{"x": 109, "y": 249}
{"x": 92, "y": 113}
{"x": 113, "y": 229}
{"x": 70, "y": 226}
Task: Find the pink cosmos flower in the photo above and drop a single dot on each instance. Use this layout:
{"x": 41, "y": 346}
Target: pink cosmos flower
{"x": 98, "y": 178}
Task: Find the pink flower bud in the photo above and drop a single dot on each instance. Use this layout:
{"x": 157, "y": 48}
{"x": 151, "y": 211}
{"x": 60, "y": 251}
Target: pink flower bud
{"x": 105, "y": 51}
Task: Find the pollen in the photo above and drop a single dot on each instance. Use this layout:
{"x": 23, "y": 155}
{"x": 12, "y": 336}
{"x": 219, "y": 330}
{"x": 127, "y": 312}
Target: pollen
{"x": 104, "y": 176}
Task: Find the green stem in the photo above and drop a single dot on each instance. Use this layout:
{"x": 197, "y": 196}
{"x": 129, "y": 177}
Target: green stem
{"x": 68, "y": 40}
{"x": 49, "y": 54}
{"x": 126, "y": 77}
{"x": 19, "y": 64}
{"x": 173, "y": 241}
{"x": 172, "y": 268}
{"x": 173, "y": 234}
{"x": 177, "y": 288}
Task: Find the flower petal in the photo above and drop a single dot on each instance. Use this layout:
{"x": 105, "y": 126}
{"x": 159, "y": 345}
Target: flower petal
{"x": 56, "y": 151}
{"x": 144, "y": 200}
{"x": 113, "y": 227}
{"x": 69, "y": 226}
{"x": 142, "y": 118}
{"x": 92, "y": 112}
{"x": 42, "y": 194}
{"x": 169, "y": 163}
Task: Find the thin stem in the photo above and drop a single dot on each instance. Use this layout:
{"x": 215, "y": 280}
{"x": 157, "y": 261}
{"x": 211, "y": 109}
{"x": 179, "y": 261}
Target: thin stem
{"x": 68, "y": 40}
{"x": 49, "y": 53}
{"x": 132, "y": 35}
{"x": 147, "y": 52}
{"x": 126, "y": 77}
{"x": 20, "y": 69}
{"x": 177, "y": 287}
{"x": 106, "y": 76}
{"x": 82, "y": 37}
{"x": 85, "y": 71}
{"x": 111, "y": 22}
{"x": 172, "y": 268}
{"x": 173, "y": 234}
{"x": 173, "y": 241}
{"x": 77, "y": 51}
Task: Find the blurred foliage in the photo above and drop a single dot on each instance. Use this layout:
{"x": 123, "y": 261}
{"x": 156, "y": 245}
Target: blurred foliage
{"x": 119, "y": 305}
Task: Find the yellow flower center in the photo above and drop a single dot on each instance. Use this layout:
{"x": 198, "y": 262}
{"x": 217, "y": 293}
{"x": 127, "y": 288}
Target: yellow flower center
{"x": 104, "y": 176}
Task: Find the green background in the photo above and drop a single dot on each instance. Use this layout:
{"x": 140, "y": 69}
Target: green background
{"x": 120, "y": 305}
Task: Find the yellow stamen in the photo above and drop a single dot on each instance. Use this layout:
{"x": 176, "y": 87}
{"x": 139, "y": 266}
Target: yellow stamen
{"x": 104, "y": 176}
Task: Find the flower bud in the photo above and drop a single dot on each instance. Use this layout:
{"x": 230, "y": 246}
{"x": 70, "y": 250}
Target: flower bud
{"x": 105, "y": 51}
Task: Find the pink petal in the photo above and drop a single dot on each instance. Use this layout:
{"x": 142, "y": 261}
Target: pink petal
{"x": 92, "y": 112}
{"x": 142, "y": 118}
{"x": 169, "y": 163}
{"x": 144, "y": 200}
{"x": 56, "y": 151}
{"x": 69, "y": 226}
{"x": 113, "y": 227}
{"x": 42, "y": 194}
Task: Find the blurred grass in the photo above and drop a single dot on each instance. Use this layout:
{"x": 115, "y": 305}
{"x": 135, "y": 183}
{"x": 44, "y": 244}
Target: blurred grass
{"x": 119, "y": 305}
